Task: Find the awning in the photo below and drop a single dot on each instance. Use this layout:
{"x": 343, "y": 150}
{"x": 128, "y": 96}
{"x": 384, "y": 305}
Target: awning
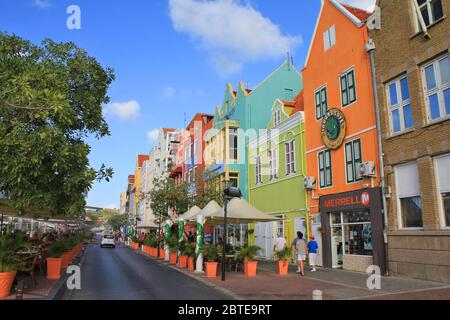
{"x": 190, "y": 213}
{"x": 239, "y": 211}
{"x": 210, "y": 208}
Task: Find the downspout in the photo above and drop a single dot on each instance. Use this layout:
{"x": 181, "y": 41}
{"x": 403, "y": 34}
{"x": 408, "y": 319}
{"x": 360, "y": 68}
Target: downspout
{"x": 370, "y": 48}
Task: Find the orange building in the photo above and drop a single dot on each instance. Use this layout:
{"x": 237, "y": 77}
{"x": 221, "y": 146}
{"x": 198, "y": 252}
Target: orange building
{"x": 341, "y": 141}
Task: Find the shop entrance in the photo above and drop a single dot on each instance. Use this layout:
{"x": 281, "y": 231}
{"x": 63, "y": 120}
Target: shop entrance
{"x": 351, "y": 234}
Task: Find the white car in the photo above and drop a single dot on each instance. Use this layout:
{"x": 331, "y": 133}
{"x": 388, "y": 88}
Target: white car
{"x": 108, "y": 241}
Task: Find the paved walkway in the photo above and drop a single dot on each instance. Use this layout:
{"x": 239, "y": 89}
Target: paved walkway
{"x": 334, "y": 284}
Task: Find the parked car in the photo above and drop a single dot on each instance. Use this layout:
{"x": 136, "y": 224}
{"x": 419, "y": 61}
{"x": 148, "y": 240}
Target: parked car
{"x": 108, "y": 241}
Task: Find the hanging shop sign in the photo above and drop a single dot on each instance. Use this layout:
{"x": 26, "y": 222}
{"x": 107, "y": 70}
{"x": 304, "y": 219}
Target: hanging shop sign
{"x": 333, "y": 129}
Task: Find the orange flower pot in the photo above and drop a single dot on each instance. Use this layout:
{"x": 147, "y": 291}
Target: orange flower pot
{"x": 6, "y": 281}
{"x": 282, "y": 267}
{"x": 173, "y": 258}
{"x": 182, "y": 262}
{"x": 155, "y": 252}
{"x": 250, "y": 268}
{"x": 146, "y": 250}
{"x": 65, "y": 260}
{"x": 191, "y": 264}
{"x": 54, "y": 268}
{"x": 162, "y": 253}
{"x": 211, "y": 269}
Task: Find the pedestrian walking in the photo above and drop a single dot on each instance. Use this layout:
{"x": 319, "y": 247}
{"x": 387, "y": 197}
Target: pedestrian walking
{"x": 313, "y": 251}
{"x": 300, "y": 249}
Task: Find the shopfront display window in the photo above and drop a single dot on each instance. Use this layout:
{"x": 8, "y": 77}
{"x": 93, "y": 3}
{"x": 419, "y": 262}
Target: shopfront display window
{"x": 351, "y": 234}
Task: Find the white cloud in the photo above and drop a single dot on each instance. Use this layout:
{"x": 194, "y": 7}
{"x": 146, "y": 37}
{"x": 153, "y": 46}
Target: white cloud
{"x": 231, "y": 32}
{"x": 124, "y": 110}
{"x": 153, "y": 135}
{"x": 368, "y": 5}
{"x": 168, "y": 92}
{"x": 42, "y": 3}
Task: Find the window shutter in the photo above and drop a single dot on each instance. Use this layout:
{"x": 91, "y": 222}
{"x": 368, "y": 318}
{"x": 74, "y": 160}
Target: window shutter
{"x": 332, "y": 31}
{"x": 326, "y": 40}
{"x": 407, "y": 180}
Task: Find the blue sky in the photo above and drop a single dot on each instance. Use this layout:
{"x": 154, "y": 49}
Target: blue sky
{"x": 171, "y": 58}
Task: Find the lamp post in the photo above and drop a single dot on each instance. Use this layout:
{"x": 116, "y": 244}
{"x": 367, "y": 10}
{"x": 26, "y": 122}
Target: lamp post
{"x": 229, "y": 193}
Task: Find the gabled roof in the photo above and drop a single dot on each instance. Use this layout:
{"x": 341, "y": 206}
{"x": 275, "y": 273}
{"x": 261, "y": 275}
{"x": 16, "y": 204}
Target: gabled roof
{"x": 167, "y": 130}
{"x": 141, "y": 158}
{"x": 359, "y": 13}
{"x": 298, "y": 104}
{"x": 357, "y": 16}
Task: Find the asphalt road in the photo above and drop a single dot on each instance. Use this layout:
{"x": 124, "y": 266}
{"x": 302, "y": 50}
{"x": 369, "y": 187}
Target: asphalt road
{"x": 123, "y": 274}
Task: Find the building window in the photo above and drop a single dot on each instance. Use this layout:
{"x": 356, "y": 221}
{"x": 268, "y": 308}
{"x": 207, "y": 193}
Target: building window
{"x": 325, "y": 172}
{"x": 290, "y": 157}
{"x": 273, "y": 164}
{"x": 399, "y": 105}
{"x": 281, "y": 227}
{"x": 431, "y": 11}
{"x": 442, "y": 165}
{"x": 329, "y": 38}
{"x": 321, "y": 102}
{"x": 437, "y": 88}
{"x": 233, "y": 143}
{"x": 258, "y": 170}
{"x": 353, "y": 158}
{"x": 234, "y": 179}
{"x": 409, "y": 202}
{"x": 446, "y": 208}
{"x": 348, "y": 87}
{"x": 276, "y": 117}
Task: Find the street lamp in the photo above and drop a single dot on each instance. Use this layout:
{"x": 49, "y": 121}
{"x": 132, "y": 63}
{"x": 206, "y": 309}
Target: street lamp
{"x": 229, "y": 192}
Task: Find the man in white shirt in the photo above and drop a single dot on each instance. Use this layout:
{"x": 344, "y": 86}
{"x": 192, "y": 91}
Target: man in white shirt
{"x": 280, "y": 243}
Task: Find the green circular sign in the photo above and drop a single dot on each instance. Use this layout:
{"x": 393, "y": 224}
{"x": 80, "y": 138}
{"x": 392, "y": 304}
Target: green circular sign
{"x": 333, "y": 129}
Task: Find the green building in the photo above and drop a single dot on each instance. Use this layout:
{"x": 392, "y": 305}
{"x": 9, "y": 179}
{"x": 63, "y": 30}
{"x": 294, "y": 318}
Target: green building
{"x": 277, "y": 170}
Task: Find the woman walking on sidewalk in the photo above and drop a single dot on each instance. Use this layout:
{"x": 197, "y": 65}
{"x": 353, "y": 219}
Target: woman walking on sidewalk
{"x": 300, "y": 249}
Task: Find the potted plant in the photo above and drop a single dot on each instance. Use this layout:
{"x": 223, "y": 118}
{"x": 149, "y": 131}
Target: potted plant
{"x": 190, "y": 253}
{"x": 210, "y": 253}
{"x": 173, "y": 247}
{"x": 147, "y": 246}
{"x": 67, "y": 255}
{"x": 162, "y": 251}
{"x": 182, "y": 260}
{"x": 135, "y": 243}
{"x": 10, "y": 260}
{"x": 248, "y": 254}
{"x": 282, "y": 258}
{"x": 153, "y": 246}
{"x": 54, "y": 262}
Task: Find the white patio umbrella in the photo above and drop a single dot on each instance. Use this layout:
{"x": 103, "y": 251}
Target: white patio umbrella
{"x": 239, "y": 211}
{"x": 210, "y": 208}
{"x": 190, "y": 213}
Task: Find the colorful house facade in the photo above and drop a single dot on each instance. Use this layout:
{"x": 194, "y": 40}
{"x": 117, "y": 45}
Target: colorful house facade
{"x": 277, "y": 171}
{"x": 341, "y": 141}
{"x": 241, "y": 114}
{"x": 140, "y": 159}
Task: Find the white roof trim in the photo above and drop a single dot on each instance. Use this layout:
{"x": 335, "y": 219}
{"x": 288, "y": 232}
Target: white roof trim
{"x": 347, "y": 13}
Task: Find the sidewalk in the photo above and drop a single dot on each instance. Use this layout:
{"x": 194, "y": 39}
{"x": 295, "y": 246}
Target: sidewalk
{"x": 334, "y": 284}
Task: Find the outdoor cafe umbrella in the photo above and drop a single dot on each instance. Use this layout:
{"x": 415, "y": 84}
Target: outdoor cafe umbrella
{"x": 190, "y": 213}
{"x": 210, "y": 208}
{"x": 239, "y": 211}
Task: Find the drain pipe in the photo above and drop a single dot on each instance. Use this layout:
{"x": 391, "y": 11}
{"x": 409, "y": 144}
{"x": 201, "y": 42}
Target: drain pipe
{"x": 370, "y": 48}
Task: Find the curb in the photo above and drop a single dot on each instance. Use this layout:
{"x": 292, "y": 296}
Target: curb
{"x": 227, "y": 292}
{"x": 60, "y": 288}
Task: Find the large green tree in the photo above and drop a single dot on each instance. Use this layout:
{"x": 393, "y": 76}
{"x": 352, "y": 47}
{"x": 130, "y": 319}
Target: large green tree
{"x": 167, "y": 194}
{"x": 51, "y": 98}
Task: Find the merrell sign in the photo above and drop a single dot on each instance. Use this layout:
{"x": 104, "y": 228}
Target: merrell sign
{"x": 358, "y": 199}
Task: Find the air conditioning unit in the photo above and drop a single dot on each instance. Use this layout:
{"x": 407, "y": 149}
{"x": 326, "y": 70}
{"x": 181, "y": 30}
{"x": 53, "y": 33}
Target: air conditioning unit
{"x": 310, "y": 183}
{"x": 367, "y": 169}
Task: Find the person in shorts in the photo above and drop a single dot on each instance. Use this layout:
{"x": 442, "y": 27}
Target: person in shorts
{"x": 300, "y": 249}
{"x": 313, "y": 251}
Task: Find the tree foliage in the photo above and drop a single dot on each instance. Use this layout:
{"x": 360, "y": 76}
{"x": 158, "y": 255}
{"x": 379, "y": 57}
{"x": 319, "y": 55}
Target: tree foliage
{"x": 166, "y": 195}
{"x": 118, "y": 221}
{"x": 51, "y": 99}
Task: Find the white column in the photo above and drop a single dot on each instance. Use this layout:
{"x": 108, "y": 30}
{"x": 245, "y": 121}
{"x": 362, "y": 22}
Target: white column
{"x": 200, "y": 238}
